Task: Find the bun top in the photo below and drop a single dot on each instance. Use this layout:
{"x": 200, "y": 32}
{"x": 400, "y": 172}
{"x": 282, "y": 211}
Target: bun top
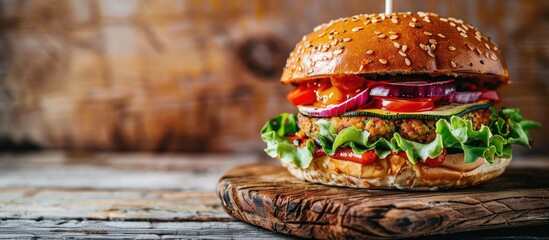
{"x": 396, "y": 44}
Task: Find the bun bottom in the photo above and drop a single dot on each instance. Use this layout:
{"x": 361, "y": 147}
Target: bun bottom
{"x": 395, "y": 172}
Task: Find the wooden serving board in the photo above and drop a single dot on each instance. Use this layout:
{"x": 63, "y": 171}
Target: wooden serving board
{"x": 268, "y": 196}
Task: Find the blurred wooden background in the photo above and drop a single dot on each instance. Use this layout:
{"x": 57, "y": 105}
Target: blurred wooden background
{"x": 202, "y": 75}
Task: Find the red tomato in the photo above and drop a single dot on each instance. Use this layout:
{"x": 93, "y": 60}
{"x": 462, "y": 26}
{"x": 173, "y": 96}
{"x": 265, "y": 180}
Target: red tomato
{"x": 405, "y": 105}
{"x": 490, "y": 95}
{"x": 433, "y": 162}
{"x": 363, "y": 158}
{"x": 319, "y": 152}
{"x": 302, "y": 95}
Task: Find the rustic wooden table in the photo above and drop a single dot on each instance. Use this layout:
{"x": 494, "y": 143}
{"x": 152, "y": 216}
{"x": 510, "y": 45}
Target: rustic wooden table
{"x": 145, "y": 196}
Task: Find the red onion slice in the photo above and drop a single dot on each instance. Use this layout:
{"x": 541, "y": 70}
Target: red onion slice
{"x": 417, "y": 89}
{"x": 461, "y": 97}
{"x": 338, "y": 109}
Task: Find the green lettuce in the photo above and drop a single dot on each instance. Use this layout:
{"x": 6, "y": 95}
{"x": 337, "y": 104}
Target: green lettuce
{"x": 508, "y": 127}
{"x": 275, "y": 133}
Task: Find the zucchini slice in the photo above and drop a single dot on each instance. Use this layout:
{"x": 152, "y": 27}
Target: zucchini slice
{"x": 447, "y": 111}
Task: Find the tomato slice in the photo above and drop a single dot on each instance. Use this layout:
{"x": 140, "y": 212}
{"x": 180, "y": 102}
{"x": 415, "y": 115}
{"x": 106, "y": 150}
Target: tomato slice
{"x": 302, "y": 95}
{"x": 347, "y": 154}
{"x": 363, "y": 158}
{"x": 405, "y": 105}
{"x": 491, "y": 95}
{"x": 433, "y": 162}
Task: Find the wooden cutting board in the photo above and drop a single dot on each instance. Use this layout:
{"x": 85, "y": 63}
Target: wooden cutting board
{"x": 268, "y": 196}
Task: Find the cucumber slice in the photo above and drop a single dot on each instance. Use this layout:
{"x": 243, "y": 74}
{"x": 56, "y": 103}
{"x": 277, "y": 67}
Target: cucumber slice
{"x": 447, "y": 111}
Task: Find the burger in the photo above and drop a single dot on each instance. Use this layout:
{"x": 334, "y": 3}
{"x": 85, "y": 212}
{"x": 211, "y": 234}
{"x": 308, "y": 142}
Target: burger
{"x": 401, "y": 100}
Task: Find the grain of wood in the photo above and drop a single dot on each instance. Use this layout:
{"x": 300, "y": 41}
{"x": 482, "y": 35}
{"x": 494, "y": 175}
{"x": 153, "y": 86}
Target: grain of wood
{"x": 271, "y": 198}
{"x": 117, "y": 171}
{"x": 92, "y": 229}
{"x": 114, "y": 205}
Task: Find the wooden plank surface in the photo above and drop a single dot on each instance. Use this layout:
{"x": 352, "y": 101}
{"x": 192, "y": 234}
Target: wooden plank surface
{"x": 80, "y": 196}
{"x": 268, "y": 196}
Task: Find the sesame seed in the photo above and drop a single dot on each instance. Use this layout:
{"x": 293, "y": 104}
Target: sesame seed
{"x": 423, "y": 46}
{"x": 463, "y": 34}
{"x": 414, "y": 20}
{"x": 369, "y": 52}
{"x": 304, "y": 38}
{"x": 407, "y": 61}
{"x": 478, "y": 51}
{"x": 411, "y": 24}
{"x": 430, "y": 53}
{"x": 374, "y": 20}
{"x": 396, "y": 44}
{"x": 402, "y": 53}
{"x": 366, "y": 22}
{"x": 433, "y": 47}
{"x": 392, "y": 33}
{"x": 496, "y": 48}
{"x": 486, "y": 55}
{"x": 404, "y": 48}
{"x": 356, "y": 29}
{"x": 443, "y": 19}
{"x": 383, "y": 61}
{"x": 453, "y": 64}
{"x": 451, "y": 48}
{"x": 477, "y": 33}
{"x": 381, "y": 36}
{"x": 478, "y": 38}
{"x": 338, "y": 51}
{"x": 464, "y": 27}
{"x": 394, "y": 20}
{"x": 470, "y": 47}
{"x": 346, "y": 39}
{"x": 433, "y": 41}
{"x": 461, "y": 29}
{"x": 361, "y": 68}
{"x": 330, "y": 37}
{"x": 452, "y": 24}
{"x": 427, "y": 33}
{"x": 440, "y": 35}
{"x": 322, "y": 34}
{"x": 334, "y": 42}
{"x": 487, "y": 46}
{"x": 377, "y": 32}
{"x": 426, "y": 19}
{"x": 393, "y": 37}
{"x": 318, "y": 27}
{"x": 493, "y": 57}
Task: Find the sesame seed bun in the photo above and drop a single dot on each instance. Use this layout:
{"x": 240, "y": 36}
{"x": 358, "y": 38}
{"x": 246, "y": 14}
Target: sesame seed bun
{"x": 397, "y": 172}
{"x": 396, "y": 44}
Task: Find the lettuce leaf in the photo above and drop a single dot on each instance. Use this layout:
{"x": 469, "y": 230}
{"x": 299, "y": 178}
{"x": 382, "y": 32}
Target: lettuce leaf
{"x": 508, "y": 127}
{"x": 275, "y": 133}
